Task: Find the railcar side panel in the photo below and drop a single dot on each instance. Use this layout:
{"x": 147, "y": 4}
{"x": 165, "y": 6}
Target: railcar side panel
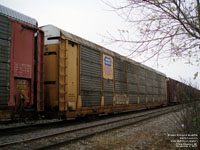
{"x": 72, "y": 72}
{"x": 132, "y": 84}
{"x": 90, "y": 77}
{"x": 61, "y": 76}
{"x": 21, "y": 64}
{"x": 51, "y": 77}
{"x": 39, "y": 70}
{"x": 5, "y": 46}
{"x": 22, "y": 69}
{"x": 121, "y": 88}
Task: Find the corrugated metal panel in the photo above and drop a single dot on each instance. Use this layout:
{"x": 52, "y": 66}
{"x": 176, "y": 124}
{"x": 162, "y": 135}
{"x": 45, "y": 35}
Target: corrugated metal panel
{"x": 90, "y": 83}
{"x": 90, "y": 98}
{"x": 108, "y": 98}
{"x": 163, "y": 91}
{"x": 149, "y": 90}
{"x": 108, "y": 92}
{"x": 155, "y": 90}
{"x": 142, "y": 72}
{"x": 149, "y": 82}
{"x": 5, "y": 11}
{"x": 132, "y": 78}
{"x": 159, "y": 84}
{"x": 150, "y": 98}
{"x": 5, "y": 37}
{"x": 153, "y": 76}
{"x": 132, "y": 88}
{"x": 142, "y": 80}
{"x": 4, "y": 94}
{"x": 142, "y": 89}
{"x": 133, "y": 99}
{"x": 4, "y": 74}
{"x": 149, "y": 74}
{"x": 132, "y": 68}
{"x": 159, "y": 77}
{"x": 5, "y": 28}
{"x": 120, "y": 75}
{"x": 142, "y": 99}
{"x": 155, "y": 83}
{"x": 108, "y": 85}
{"x": 133, "y": 83}
{"x": 90, "y": 78}
{"x": 90, "y": 68}
{"x": 90, "y": 56}
{"x": 162, "y": 78}
{"x": 120, "y": 87}
{"x": 163, "y": 85}
{"x": 163, "y": 97}
{"x": 4, "y": 51}
{"x": 155, "y": 98}
{"x": 120, "y": 64}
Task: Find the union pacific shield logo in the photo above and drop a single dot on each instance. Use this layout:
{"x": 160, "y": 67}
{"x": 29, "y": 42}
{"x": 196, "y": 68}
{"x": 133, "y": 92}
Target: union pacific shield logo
{"x": 107, "y": 67}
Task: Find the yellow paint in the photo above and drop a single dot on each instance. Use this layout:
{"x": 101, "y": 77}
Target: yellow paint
{"x": 21, "y": 86}
{"x": 72, "y": 75}
{"x": 114, "y": 99}
{"x": 102, "y": 101}
{"x": 146, "y": 100}
{"x": 51, "y": 74}
{"x": 79, "y": 102}
{"x": 138, "y": 100}
{"x": 6, "y": 114}
{"x": 107, "y": 67}
{"x": 62, "y": 75}
{"x": 159, "y": 100}
{"x": 63, "y": 68}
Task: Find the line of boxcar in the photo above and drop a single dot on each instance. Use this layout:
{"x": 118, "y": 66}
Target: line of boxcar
{"x": 69, "y": 76}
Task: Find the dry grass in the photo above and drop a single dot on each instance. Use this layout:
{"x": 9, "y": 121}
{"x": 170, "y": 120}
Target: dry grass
{"x": 138, "y": 141}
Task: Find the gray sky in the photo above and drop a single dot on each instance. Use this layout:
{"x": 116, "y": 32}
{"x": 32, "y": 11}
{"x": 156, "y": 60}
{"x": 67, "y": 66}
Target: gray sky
{"x": 90, "y": 19}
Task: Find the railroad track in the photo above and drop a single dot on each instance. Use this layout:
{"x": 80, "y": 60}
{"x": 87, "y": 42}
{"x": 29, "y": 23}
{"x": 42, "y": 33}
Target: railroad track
{"x": 14, "y": 130}
{"x": 60, "y": 138}
{"x": 23, "y": 127}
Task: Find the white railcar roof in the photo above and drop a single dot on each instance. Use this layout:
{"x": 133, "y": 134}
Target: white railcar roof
{"x": 5, "y": 11}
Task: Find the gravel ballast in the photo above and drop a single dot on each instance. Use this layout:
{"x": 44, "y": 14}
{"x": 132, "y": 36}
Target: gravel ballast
{"x": 151, "y": 134}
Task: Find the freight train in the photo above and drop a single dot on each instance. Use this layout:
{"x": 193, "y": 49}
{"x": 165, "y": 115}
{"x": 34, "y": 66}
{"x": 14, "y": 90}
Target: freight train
{"x": 52, "y": 72}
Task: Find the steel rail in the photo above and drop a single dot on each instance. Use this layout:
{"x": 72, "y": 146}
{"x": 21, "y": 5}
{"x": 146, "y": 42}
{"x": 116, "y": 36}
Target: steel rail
{"x": 135, "y": 118}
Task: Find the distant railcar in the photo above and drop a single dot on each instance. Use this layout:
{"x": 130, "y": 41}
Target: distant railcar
{"x": 84, "y": 78}
{"x": 178, "y": 92}
{"x": 21, "y": 64}
{"x": 172, "y": 91}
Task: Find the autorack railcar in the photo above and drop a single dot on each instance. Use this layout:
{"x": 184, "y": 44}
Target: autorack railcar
{"x": 84, "y": 78}
{"x": 21, "y": 64}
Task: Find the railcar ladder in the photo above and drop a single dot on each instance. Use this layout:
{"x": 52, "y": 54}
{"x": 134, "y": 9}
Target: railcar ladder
{"x": 63, "y": 59}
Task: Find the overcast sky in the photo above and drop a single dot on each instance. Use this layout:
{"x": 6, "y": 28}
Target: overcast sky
{"x": 90, "y": 19}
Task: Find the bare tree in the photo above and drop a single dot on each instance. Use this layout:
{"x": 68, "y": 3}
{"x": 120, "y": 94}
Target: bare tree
{"x": 167, "y": 28}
